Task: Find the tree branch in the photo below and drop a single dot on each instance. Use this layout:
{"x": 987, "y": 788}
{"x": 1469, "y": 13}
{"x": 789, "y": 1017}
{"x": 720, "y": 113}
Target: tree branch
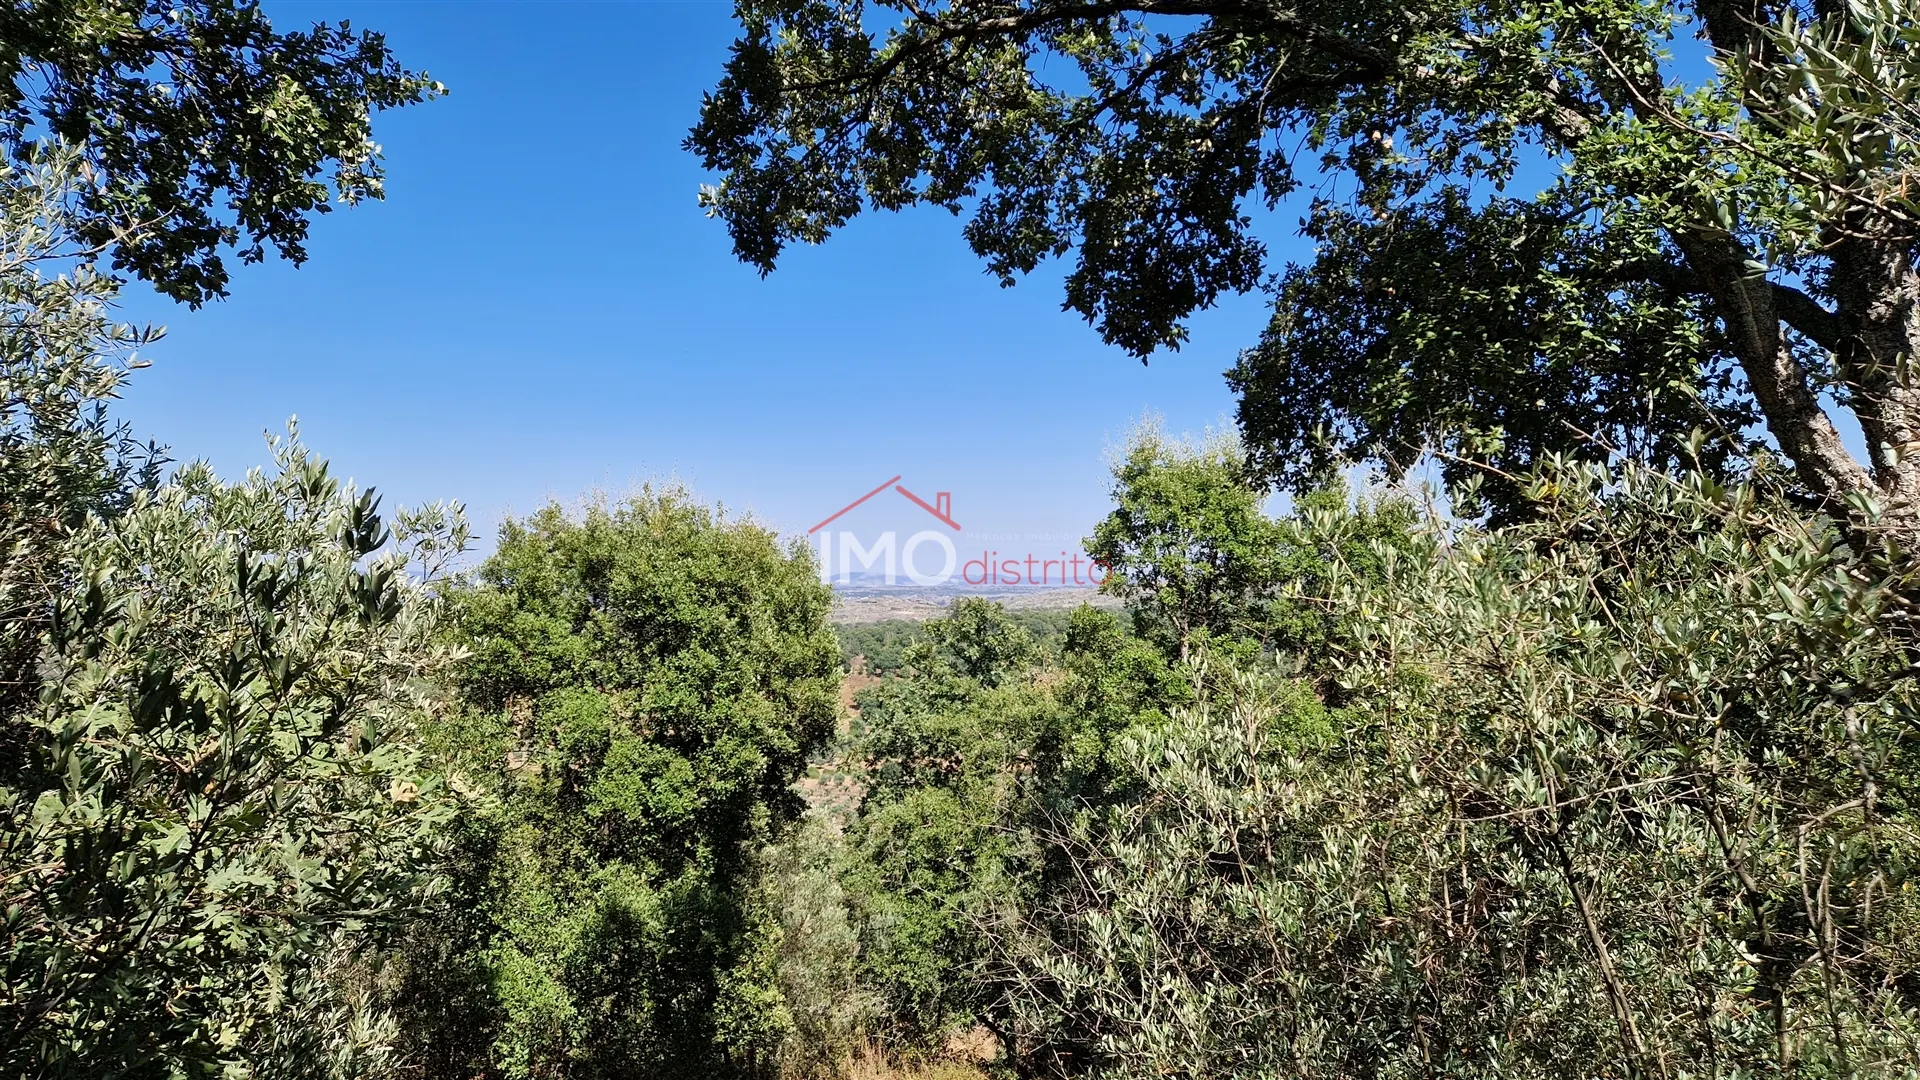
{"x": 1748, "y": 307}
{"x": 1790, "y": 305}
{"x": 1804, "y": 313}
{"x": 938, "y": 31}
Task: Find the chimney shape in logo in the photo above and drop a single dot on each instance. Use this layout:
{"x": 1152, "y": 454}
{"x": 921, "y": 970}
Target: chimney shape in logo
{"x": 941, "y": 506}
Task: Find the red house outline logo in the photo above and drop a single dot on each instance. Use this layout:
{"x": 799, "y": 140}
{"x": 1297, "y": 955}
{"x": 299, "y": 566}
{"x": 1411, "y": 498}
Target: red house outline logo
{"x": 941, "y": 507}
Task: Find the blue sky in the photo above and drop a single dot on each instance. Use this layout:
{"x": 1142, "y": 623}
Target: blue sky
{"x": 539, "y": 308}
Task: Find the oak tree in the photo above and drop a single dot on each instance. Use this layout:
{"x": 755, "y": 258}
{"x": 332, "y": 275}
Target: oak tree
{"x": 1535, "y": 223}
{"x": 207, "y": 129}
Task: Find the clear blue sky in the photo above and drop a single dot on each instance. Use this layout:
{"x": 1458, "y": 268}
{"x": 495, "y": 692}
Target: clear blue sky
{"x": 539, "y": 309}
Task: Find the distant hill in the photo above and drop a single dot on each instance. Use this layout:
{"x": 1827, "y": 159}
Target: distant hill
{"x": 869, "y": 603}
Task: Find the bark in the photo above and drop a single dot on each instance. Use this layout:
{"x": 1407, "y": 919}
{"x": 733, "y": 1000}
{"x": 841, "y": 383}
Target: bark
{"x": 1871, "y": 333}
{"x": 1746, "y": 305}
{"x": 1875, "y": 286}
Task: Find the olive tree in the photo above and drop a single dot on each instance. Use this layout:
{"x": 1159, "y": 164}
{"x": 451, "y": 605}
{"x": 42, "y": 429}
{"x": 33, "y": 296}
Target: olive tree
{"x": 1627, "y": 791}
{"x": 222, "y": 807}
{"x": 62, "y": 358}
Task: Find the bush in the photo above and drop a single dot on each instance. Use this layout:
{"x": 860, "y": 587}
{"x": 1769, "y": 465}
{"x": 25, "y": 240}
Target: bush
{"x": 814, "y": 946}
{"x": 936, "y": 833}
{"x": 62, "y": 358}
{"x": 1628, "y": 790}
{"x": 962, "y": 756}
{"x": 223, "y": 813}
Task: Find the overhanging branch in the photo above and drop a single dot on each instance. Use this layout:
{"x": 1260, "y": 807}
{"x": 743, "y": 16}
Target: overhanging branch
{"x": 1804, "y": 313}
{"x": 937, "y": 31}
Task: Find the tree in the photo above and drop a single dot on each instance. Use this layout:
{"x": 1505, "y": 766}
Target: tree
{"x": 1625, "y": 791}
{"x": 645, "y": 682}
{"x": 963, "y": 761}
{"x": 204, "y": 129}
{"x": 62, "y": 358}
{"x": 223, "y": 812}
{"x": 1188, "y": 545}
{"x": 980, "y": 641}
{"x": 214, "y": 815}
{"x": 1701, "y": 250}
{"x": 951, "y": 751}
{"x": 1117, "y": 682}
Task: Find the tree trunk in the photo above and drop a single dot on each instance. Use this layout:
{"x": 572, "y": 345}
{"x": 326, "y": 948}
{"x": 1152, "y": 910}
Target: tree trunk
{"x": 1875, "y": 285}
{"x": 1780, "y": 381}
{"x": 1871, "y": 334}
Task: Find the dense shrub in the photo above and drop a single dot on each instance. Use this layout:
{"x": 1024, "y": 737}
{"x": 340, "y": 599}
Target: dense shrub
{"x": 212, "y": 807}
{"x": 813, "y": 950}
{"x": 1201, "y": 565}
{"x": 960, "y": 758}
{"x": 222, "y": 812}
{"x": 1625, "y": 791}
{"x": 62, "y": 358}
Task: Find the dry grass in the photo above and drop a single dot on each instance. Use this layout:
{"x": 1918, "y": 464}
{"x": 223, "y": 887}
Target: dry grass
{"x": 869, "y": 1063}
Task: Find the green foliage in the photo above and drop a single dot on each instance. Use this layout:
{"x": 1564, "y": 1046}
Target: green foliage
{"x": 884, "y": 644}
{"x": 1623, "y": 786}
{"x": 1190, "y": 548}
{"x": 645, "y": 682}
{"x": 1188, "y": 545}
{"x": 926, "y": 848}
{"x": 61, "y": 359}
{"x": 932, "y": 725}
{"x": 214, "y": 812}
{"x": 212, "y": 809}
{"x": 1687, "y": 252}
{"x": 1309, "y": 561}
{"x": 963, "y": 753}
{"x": 203, "y": 128}
{"x": 815, "y": 949}
{"x": 984, "y": 737}
{"x": 978, "y": 641}
{"x": 1047, "y": 626}
{"x": 929, "y": 848}
{"x": 1625, "y": 791}
{"x": 1394, "y": 338}
{"x": 1837, "y": 93}
{"x": 1114, "y": 682}
{"x": 223, "y": 810}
